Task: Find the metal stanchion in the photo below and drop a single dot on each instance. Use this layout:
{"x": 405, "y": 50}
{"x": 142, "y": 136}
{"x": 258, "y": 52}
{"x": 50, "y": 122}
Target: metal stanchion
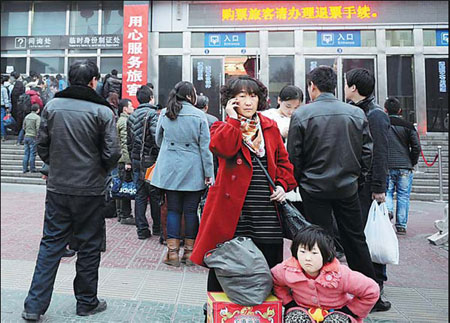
{"x": 441, "y": 191}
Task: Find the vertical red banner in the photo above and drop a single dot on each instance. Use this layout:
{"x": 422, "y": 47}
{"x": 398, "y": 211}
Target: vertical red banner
{"x": 135, "y": 50}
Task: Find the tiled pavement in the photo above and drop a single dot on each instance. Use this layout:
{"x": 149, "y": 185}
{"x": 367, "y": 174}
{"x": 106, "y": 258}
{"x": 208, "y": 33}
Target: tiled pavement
{"x": 140, "y": 288}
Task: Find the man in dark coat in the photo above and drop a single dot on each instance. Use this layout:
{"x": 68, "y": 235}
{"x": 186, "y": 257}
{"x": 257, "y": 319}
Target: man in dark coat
{"x": 142, "y": 158}
{"x": 330, "y": 146}
{"x": 112, "y": 84}
{"x": 78, "y": 140}
{"x": 359, "y": 89}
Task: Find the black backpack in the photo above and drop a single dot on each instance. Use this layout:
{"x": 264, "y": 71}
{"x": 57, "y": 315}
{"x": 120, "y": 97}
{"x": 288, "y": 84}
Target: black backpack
{"x": 24, "y": 103}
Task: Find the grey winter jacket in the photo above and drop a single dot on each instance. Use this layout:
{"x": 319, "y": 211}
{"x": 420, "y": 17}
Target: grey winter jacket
{"x": 184, "y": 159}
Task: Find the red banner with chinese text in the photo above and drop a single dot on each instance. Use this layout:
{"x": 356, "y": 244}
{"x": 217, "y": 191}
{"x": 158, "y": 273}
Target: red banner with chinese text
{"x": 135, "y": 50}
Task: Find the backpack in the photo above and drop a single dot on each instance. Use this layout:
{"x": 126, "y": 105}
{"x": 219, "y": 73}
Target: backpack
{"x": 24, "y": 103}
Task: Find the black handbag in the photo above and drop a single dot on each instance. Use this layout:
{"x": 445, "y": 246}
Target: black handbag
{"x": 292, "y": 220}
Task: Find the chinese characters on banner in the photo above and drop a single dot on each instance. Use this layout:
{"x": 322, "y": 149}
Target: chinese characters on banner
{"x": 135, "y": 50}
{"x": 336, "y": 12}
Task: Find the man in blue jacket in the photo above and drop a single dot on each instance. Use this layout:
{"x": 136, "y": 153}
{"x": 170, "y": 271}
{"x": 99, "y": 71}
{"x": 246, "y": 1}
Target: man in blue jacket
{"x": 359, "y": 89}
{"x": 78, "y": 139}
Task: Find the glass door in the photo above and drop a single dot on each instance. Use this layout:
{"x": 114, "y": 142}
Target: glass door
{"x": 207, "y": 74}
{"x": 312, "y": 63}
{"x": 436, "y": 79}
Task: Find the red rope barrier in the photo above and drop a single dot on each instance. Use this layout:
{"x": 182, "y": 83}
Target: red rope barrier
{"x": 423, "y": 157}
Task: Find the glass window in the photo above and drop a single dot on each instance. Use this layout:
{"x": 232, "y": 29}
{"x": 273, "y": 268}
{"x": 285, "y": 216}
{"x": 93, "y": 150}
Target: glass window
{"x": 15, "y": 18}
{"x": 19, "y": 64}
{"x": 79, "y": 51}
{"x": 83, "y": 18}
{"x": 55, "y": 52}
{"x": 15, "y": 52}
{"x": 436, "y": 79}
{"x": 107, "y": 64}
{"x": 49, "y": 19}
{"x": 74, "y": 59}
{"x": 281, "y": 39}
{"x": 252, "y": 39}
{"x": 310, "y": 38}
{"x": 167, "y": 81}
{"x": 281, "y": 73}
{"x": 112, "y": 22}
{"x": 368, "y": 38}
{"x": 47, "y": 65}
{"x": 197, "y": 40}
{"x": 112, "y": 51}
{"x": 170, "y": 40}
{"x": 429, "y": 37}
{"x": 400, "y": 81}
{"x": 399, "y": 38}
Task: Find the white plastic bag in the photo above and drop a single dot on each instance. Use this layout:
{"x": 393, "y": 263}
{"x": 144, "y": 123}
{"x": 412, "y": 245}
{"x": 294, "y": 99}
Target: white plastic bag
{"x": 380, "y": 236}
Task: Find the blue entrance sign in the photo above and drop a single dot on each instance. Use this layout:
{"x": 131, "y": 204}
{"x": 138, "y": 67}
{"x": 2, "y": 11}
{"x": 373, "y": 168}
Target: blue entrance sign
{"x": 224, "y": 39}
{"x": 351, "y": 38}
{"x": 441, "y": 37}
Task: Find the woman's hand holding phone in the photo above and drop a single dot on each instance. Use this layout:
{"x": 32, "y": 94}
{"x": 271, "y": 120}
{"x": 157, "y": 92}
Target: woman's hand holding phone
{"x": 231, "y": 107}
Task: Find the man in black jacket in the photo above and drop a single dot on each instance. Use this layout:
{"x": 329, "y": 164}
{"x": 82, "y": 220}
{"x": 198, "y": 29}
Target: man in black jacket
{"x": 143, "y": 157}
{"x": 404, "y": 152}
{"x": 359, "y": 88}
{"x": 112, "y": 84}
{"x": 330, "y": 146}
{"x": 78, "y": 140}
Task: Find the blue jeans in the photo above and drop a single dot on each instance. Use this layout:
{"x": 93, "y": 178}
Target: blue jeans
{"x": 3, "y": 125}
{"x": 30, "y": 154}
{"x": 182, "y": 203}
{"x": 21, "y": 135}
{"x": 399, "y": 180}
{"x": 144, "y": 192}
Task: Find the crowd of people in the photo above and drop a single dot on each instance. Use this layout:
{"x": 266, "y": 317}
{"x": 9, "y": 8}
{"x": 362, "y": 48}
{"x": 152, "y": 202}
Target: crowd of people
{"x": 331, "y": 158}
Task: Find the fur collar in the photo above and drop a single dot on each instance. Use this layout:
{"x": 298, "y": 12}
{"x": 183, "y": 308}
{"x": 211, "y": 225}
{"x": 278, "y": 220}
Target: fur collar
{"x": 82, "y": 92}
{"x": 329, "y": 275}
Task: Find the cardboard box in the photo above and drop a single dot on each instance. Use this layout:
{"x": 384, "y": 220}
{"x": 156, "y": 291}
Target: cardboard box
{"x": 222, "y": 310}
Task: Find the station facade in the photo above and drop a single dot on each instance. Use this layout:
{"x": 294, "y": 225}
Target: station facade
{"x": 404, "y": 43}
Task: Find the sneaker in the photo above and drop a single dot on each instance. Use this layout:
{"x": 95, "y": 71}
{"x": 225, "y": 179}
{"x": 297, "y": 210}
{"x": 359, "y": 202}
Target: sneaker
{"x": 30, "y": 316}
{"x": 144, "y": 234}
{"x": 101, "y": 306}
{"x": 381, "y": 306}
{"x": 34, "y": 171}
{"x": 25, "y": 171}
{"x": 129, "y": 220}
{"x": 69, "y": 253}
{"x": 156, "y": 231}
{"x": 401, "y": 231}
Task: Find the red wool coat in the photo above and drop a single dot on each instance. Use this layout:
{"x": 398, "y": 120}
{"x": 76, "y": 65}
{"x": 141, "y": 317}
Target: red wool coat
{"x": 226, "y": 197}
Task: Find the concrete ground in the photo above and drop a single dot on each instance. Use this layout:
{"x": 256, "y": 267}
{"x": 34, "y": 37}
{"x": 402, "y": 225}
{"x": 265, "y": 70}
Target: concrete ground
{"x": 140, "y": 288}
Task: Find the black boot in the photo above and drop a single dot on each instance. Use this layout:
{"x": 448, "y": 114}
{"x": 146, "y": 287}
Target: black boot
{"x": 381, "y": 306}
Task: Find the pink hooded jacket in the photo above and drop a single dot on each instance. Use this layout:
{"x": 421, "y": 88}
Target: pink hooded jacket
{"x": 335, "y": 287}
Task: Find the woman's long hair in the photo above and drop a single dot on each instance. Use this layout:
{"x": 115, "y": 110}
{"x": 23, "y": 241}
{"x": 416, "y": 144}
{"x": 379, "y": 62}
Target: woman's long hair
{"x": 183, "y": 91}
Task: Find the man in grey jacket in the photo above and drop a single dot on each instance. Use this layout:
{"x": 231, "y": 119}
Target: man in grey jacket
{"x": 78, "y": 140}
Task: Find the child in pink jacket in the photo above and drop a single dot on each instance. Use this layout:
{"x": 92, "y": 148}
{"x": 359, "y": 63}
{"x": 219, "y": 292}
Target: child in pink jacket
{"x": 315, "y": 287}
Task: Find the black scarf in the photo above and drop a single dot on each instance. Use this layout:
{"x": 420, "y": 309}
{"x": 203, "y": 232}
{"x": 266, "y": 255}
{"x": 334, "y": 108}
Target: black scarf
{"x": 82, "y": 92}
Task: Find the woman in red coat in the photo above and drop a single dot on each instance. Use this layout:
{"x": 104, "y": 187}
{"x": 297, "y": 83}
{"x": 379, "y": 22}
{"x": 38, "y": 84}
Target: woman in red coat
{"x": 241, "y": 202}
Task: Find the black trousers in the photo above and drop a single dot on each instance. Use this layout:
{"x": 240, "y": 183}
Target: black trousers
{"x": 347, "y": 213}
{"x": 67, "y": 217}
{"x": 365, "y": 198}
{"x": 272, "y": 252}
{"x": 123, "y": 206}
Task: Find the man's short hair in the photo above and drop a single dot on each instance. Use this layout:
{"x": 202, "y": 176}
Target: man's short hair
{"x": 324, "y": 77}
{"x": 392, "y": 105}
{"x": 144, "y": 94}
{"x": 150, "y": 85}
{"x": 114, "y": 72}
{"x": 82, "y": 72}
{"x": 363, "y": 79}
{"x": 35, "y": 107}
{"x": 122, "y": 104}
{"x": 5, "y": 78}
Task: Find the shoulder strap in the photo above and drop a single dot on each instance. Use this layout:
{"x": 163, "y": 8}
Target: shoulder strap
{"x": 265, "y": 171}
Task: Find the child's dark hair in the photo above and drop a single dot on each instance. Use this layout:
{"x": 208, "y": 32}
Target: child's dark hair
{"x": 247, "y": 84}
{"x": 392, "y": 105}
{"x": 291, "y": 92}
{"x": 123, "y": 103}
{"x": 35, "y": 107}
{"x": 179, "y": 93}
{"x": 311, "y": 234}
{"x": 202, "y": 101}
